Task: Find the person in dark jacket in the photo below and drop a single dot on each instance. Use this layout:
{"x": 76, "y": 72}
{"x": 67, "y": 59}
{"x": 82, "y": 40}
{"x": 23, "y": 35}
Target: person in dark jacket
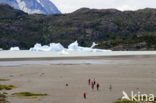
{"x": 110, "y": 87}
{"x": 89, "y": 81}
{"x": 97, "y": 86}
{"x": 84, "y": 95}
{"x": 94, "y": 81}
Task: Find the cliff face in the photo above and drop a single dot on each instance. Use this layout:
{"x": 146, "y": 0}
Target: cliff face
{"x": 110, "y": 28}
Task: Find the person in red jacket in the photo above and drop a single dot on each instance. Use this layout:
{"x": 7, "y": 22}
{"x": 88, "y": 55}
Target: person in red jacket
{"x": 92, "y": 86}
{"x": 84, "y": 95}
{"x": 89, "y": 81}
{"x": 97, "y": 86}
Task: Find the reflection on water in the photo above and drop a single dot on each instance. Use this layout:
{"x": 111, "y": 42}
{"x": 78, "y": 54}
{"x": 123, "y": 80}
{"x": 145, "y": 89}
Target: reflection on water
{"x": 44, "y": 62}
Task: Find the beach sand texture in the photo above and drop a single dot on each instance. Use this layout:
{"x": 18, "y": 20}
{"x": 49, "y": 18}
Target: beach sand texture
{"x": 137, "y": 74}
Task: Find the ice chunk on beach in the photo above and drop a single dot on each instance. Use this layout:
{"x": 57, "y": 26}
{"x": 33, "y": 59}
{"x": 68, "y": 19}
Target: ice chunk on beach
{"x": 14, "y": 48}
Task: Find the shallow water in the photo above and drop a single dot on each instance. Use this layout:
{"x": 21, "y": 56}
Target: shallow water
{"x": 30, "y": 54}
{"x": 53, "y": 62}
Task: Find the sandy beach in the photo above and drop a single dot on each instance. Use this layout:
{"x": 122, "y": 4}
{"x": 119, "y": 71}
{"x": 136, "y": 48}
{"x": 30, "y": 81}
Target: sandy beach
{"x": 136, "y": 73}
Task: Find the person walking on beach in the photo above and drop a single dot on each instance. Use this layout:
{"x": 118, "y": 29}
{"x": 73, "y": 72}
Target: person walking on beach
{"x": 84, "y": 95}
{"x": 89, "y": 81}
{"x": 110, "y": 87}
{"x": 97, "y": 86}
{"x": 92, "y": 86}
{"x": 94, "y": 81}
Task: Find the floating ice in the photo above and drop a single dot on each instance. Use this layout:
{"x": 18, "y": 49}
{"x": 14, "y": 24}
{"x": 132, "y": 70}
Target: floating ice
{"x": 39, "y": 47}
{"x": 93, "y": 45}
{"x": 52, "y": 47}
{"x": 64, "y": 52}
{"x": 75, "y": 47}
{"x": 56, "y": 47}
{"x": 72, "y": 47}
{"x": 14, "y": 48}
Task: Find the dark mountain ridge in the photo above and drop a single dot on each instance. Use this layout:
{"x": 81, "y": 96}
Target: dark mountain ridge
{"x": 110, "y": 28}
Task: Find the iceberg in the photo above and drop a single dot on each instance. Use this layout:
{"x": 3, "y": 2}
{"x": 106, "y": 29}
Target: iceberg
{"x": 39, "y": 47}
{"x": 56, "y": 47}
{"x": 72, "y": 47}
{"x": 14, "y": 48}
{"x": 64, "y": 52}
{"x": 93, "y": 45}
{"x": 75, "y": 47}
{"x": 52, "y": 47}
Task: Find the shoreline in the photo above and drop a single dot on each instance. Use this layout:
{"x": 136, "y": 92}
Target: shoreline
{"x": 79, "y": 58}
{"x": 25, "y": 55}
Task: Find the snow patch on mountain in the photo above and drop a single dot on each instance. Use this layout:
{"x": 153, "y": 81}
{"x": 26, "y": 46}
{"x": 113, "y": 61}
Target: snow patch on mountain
{"x": 38, "y": 1}
{"x": 23, "y": 7}
{"x": 33, "y": 6}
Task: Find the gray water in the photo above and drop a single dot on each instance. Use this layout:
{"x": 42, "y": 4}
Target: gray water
{"x": 30, "y": 54}
{"x": 54, "y": 62}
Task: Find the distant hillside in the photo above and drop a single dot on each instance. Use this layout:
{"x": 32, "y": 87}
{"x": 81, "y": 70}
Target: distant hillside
{"x": 110, "y": 28}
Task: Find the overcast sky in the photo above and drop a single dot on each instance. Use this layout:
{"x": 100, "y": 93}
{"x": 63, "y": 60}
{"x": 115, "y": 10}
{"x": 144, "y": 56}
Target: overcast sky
{"x": 67, "y": 6}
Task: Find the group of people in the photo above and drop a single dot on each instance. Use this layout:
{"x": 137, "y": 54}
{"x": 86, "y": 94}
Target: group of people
{"x": 93, "y": 84}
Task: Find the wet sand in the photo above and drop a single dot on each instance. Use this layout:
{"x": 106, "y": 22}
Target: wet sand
{"x": 137, "y": 73}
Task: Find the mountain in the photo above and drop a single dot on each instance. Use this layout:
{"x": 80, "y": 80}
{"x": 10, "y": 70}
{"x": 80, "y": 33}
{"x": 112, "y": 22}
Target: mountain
{"x": 33, "y": 6}
{"x": 110, "y": 28}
